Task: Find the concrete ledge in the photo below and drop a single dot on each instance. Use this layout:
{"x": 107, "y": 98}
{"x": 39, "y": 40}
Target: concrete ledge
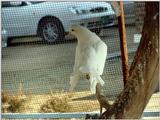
{"x": 62, "y": 115}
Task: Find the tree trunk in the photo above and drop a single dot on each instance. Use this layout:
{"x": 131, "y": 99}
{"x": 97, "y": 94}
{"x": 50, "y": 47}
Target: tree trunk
{"x": 143, "y": 74}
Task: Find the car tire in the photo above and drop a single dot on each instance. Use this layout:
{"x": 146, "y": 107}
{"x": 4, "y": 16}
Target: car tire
{"x": 9, "y": 41}
{"x": 51, "y": 30}
{"x": 97, "y": 31}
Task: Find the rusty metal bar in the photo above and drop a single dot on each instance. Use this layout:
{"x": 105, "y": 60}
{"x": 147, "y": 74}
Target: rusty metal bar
{"x": 123, "y": 44}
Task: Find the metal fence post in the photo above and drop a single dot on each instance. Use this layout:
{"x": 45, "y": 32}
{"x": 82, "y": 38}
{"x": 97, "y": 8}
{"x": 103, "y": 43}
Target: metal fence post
{"x": 123, "y": 44}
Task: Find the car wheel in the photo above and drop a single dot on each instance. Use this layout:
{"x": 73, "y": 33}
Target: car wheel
{"x": 9, "y": 40}
{"x": 97, "y": 31}
{"x": 52, "y": 31}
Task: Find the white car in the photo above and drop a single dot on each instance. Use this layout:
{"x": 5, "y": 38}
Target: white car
{"x": 51, "y": 20}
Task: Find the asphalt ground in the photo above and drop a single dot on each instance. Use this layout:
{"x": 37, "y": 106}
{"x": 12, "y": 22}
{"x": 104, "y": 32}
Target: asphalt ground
{"x": 41, "y": 67}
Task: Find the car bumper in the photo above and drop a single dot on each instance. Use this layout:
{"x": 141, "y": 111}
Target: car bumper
{"x": 97, "y": 22}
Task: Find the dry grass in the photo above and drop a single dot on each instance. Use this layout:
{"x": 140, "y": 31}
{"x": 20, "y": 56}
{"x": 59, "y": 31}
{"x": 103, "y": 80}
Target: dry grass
{"x": 53, "y": 102}
{"x": 5, "y": 97}
{"x": 15, "y": 103}
{"x": 61, "y": 102}
{"x": 56, "y": 104}
{"x": 5, "y": 101}
{"x": 18, "y": 104}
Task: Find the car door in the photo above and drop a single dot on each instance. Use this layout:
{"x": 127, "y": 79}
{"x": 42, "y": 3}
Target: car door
{"x": 17, "y": 18}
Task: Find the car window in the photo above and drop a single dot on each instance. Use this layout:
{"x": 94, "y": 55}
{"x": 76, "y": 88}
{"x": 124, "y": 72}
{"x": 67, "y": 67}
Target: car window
{"x": 7, "y": 4}
{"x": 35, "y": 2}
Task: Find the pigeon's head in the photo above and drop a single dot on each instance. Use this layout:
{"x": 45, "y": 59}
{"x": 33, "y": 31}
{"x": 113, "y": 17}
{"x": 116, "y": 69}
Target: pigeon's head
{"x": 78, "y": 30}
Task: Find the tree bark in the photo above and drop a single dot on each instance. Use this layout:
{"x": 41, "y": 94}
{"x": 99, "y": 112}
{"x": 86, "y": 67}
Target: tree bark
{"x": 143, "y": 73}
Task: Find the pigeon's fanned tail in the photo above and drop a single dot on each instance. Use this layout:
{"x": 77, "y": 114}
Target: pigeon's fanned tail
{"x": 74, "y": 79}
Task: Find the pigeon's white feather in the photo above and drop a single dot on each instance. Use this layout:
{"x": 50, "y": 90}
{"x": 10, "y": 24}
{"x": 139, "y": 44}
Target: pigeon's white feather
{"x": 90, "y": 57}
{"x": 74, "y": 79}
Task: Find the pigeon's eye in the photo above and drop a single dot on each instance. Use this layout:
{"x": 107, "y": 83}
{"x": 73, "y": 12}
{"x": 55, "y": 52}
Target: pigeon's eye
{"x": 72, "y": 30}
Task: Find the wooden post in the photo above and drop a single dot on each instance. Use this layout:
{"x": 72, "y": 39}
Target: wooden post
{"x": 123, "y": 44}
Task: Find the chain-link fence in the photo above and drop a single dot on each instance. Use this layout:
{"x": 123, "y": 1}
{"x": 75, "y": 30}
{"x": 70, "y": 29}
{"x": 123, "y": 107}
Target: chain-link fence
{"x": 35, "y": 75}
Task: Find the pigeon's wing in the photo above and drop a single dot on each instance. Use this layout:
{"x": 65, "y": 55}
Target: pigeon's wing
{"x": 77, "y": 60}
{"x": 101, "y": 54}
{"x": 88, "y": 62}
{"x": 74, "y": 79}
{"x": 93, "y": 58}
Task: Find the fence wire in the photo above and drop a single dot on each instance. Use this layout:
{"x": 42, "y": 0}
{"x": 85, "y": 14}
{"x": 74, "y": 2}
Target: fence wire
{"x": 41, "y": 71}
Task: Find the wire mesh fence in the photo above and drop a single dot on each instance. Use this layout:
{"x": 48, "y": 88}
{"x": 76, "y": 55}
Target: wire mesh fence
{"x": 41, "y": 71}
